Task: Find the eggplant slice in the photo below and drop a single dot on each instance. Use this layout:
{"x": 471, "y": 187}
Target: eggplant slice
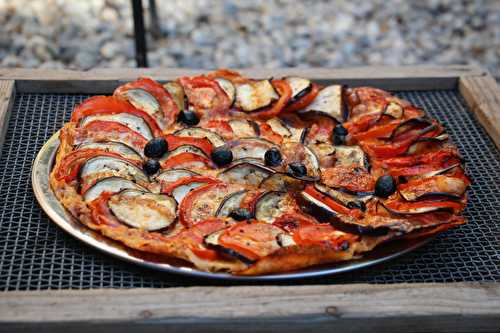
{"x": 115, "y": 147}
{"x": 143, "y": 210}
{"x": 212, "y": 241}
{"x": 349, "y": 155}
{"x": 272, "y": 205}
{"x": 176, "y": 90}
{"x": 316, "y": 208}
{"x": 143, "y": 100}
{"x": 342, "y": 197}
{"x": 250, "y": 148}
{"x": 184, "y": 149}
{"x": 230, "y": 203}
{"x": 245, "y": 173}
{"x": 394, "y": 110}
{"x": 133, "y": 122}
{"x": 243, "y": 128}
{"x": 279, "y": 127}
{"x": 281, "y": 182}
{"x": 300, "y": 87}
{"x": 112, "y": 185}
{"x": 296, "y": 152}
{"x": 198, "y": 132}
{"x": 329, "y": 103}
{"x": 228, "y": 88}
{"x": 105, "y": 166}
{"x": 255, "y": 95}
{"x": 182, "y": 190}
{"x": 172, "y": 175}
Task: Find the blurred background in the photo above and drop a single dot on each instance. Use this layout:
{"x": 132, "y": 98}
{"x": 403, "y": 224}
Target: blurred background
{"x": 218, "y": 33}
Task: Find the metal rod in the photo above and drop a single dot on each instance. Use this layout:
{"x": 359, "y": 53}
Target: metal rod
{"x": 155, "y": 21}
{"x": 139, "y": 34}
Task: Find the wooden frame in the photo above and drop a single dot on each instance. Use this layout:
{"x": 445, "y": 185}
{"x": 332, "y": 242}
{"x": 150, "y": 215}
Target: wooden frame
{"x": 453, "y": 307}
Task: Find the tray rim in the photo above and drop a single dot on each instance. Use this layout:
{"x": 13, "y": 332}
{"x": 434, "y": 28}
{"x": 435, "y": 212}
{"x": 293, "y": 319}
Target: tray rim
{"x": 57, "y": 213}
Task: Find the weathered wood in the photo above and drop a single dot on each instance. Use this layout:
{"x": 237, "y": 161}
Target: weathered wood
{"x": 458, "y": 307}
{"x": 7, "y": 95}
{"x": 482, "y": 95}
{"x": 104, "y": 81}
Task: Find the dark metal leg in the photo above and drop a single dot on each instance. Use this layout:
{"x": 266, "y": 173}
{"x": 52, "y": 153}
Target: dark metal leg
{"x": 155, "y": 22}
{"x": 139, "y": 34}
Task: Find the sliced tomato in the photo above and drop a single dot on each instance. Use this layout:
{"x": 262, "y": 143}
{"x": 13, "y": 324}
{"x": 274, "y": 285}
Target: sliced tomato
{"x": 320, "y": 129}
{"x": 304, "y": 101}
{"x": 101, "y": 214}
{"x": 98, "y": 105}
{"x": 379, "y": 131}
{"x": 206, "y": 95}
{"x": 186, "y": 160}
{"x": 437, "y": 157}
{"x": 341, "y": 209}
{"x": 229, "y": 75}
{"x": 101, "y": 130}
{"x": 165, "y": 100}
{"x": 351, "y": 178}
{"x": 253, "y": 239}
{"x": 362, "y": 123}
{"x": 285, "y": 92}
{"x": 398, "y": 205}
{"x": 194, "y": 237}
{"x": 220, "y": 127}
{"x": 186, "y": 180}
{"x": 292, "y": 221}
{"x": 267, "y": 133}
{"x": 175, "y": 141}
{"x": 71, "y": 163}
{"x": 314, "y": 234}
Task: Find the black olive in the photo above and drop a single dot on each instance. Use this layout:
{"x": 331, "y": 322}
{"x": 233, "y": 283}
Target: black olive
{"x": 344, "y": 246}
{"x": 297, "y": 169}
{"x": 357, "y": 205}
{"x": 273, "y": 157}
{"x": 222, "y": 156}
{"x": 151, "y": 167}
{"x": 189, "y": 118}
{"x": 385, "y": 186}
{"x": 156, "y": 148}
{"x": 340, "y": 130}
{"x": 240, "y": 214}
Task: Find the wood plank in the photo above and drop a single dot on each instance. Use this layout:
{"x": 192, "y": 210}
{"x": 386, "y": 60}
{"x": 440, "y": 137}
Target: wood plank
{"x": 455, "y": 307}
{"x": 103, "y": 81}
{"x": 7, "y": 95}
{"x": 482, "y": 94}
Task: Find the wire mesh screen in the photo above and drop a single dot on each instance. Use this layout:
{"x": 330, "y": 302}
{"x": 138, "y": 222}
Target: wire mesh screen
{"x": 36, "y": 254}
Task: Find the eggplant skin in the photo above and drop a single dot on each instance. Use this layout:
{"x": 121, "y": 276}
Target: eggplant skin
{"x": 316, "y": 208}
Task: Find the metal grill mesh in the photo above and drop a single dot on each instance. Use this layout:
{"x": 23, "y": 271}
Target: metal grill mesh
{"x": 36, "y": 254}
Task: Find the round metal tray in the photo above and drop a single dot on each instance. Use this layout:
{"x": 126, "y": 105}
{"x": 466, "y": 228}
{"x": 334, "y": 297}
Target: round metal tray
{"x": 49, "y": 203}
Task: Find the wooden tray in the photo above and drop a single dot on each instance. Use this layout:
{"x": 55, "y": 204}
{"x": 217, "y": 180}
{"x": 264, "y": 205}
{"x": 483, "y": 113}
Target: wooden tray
{"x": 454, "y": 307}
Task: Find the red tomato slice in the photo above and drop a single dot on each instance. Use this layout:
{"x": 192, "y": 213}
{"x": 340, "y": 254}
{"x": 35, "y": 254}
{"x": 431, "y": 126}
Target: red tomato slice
{"x": 111, "y": 105}
{"x": 349, "y": 177}
{"x": 291, "y": 221}
{"x": 167, "y": 103}
{"x": 304, "y": 101}
{"x": 101, "y": 130}
{"x": 379, "y": 131}
{"x": 229, "y": 75}
{"x": 205, "y": 94}
{"x": 175, "y": 141}
{"x": 314, "y": 234}
{"x": 406, "y": 206}
{"x": 253, "y": 240}
{"x": 71, "y": 163}
{"x": 267, "y": 133}
{"x": 185, "y": 160}
{"x": 194, "y": 237}
{"x": 101, "y": 214}
{"x": 220, "y": 127}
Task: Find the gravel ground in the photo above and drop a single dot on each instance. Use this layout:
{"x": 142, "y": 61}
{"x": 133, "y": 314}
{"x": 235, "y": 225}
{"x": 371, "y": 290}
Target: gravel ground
{"x": 208, "y": 34}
